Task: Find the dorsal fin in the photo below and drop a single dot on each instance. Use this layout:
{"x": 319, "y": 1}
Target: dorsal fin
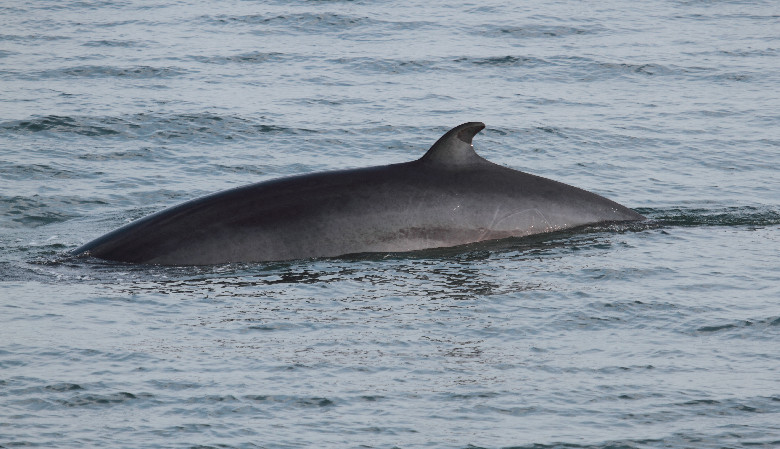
{"x": 454, "y": 148}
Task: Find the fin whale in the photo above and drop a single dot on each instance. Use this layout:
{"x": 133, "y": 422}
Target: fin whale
{"x": 451, "y": 196}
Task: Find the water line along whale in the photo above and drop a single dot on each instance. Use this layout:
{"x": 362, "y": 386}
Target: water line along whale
{"x": 451, "y": 196}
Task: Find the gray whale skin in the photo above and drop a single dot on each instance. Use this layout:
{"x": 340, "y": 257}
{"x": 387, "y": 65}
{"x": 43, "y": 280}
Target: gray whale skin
{"x": 450, "y": 196}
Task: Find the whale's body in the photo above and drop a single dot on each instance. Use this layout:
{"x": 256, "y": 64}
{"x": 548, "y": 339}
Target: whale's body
{"x": 451, "y": 196}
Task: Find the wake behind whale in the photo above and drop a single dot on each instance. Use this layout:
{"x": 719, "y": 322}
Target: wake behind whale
{"x": 451, "y": 196}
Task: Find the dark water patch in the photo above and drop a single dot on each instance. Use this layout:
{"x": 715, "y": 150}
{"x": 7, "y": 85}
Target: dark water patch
{"x": 733, "y": 406}
{"x": 331, "y": 101}
{"x": 733, "y": 77}
{"x": 63, "y": 387}
{"x": 7, "y": 364}
{"x": 30, "y": 212}
{"x": 595, "y": 70}
{"x": 253, "y": 170}
{"x": 648, "y": 69}
{"x": 6, "y": 9}
{"x": 474, "y": 396}
{"x": 117, "y": 23}
{"x": 503, "y": 61}
{"x": 174, "y": 385}
{"x": 743, "y": 52}
{"x": 585, "y": 321}
{"x": 327, "y": 22}
{"x": 26, "y": 172}
{"x": 580, "y": 68}
{"x": 15, "y": 272}
{"x": 711, "y": 329}
{"x": 675, "y": 441}
{"x": 588, "y": 69}
{"x": 96, "y": 4}
{"x": 698, "y": 402}
{"x": 745, "y": 216}
{"x": 113, "y": 43}
{"x": 140, "y": 154}
{"x": 302, "y": 402}
{"x": 568, "y": 141}
{"x": 533, "y": 31}
{"x": 601, "y": 274}
{"x": 266, "y": 327}
{"x": 212, "y": 399}
{"x": 630, "y": 309}
{"x": 255, "y": 57}
{"x": 518, "y": 411}
{"x": 194, "y": 428}
{"x": 32, "y": 38}
{"x": 379, "y": 65}
{"x": 58, "y": 125}
{"x": 98, "y": 400}
{"x": 38, "y": 210}
{"x": 137, "y": 72}
{"x": 558, "y": 132}
{"x": 739, "y": 328}
{"x": 149, "y": 126}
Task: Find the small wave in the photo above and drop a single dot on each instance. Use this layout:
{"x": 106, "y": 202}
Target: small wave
{"x": 63, "y": 387}
{"x": 308, "y": 22}
{"x": 748, "y": 52}
{"x": 711, "y": 329}
{"x": 584, "y": 68}
{"x": 733, "y": 406}
{"x": 38, "y": 211}
{"x": 255, "y": 57}
{"x": 365, "y": 64}
{"x": 31, "y": 37}
{"x": 137, "y": 72}
{"x": 648, "y": 69}
{"x": 58, "y": 124}
{"x": 731, "y": 216}
{"x": 304, "y": 402}
{"x": 422, "y": 65}
{"x": 532, "y": 31}
{"x": 759, "y": 325}
{"x": 731, "y": 76}
{"x": 503, "y": 61}
{"x": 148, "y": 126}
{"x": 113, "y": 43}
{"x": 92, "y": 400}
{"x": 581, "y": 68}
{"x": 26, "y": 172}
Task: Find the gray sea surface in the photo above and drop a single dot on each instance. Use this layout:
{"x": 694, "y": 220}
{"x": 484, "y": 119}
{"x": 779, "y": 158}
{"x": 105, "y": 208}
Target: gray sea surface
{"x": 663, "y": 334}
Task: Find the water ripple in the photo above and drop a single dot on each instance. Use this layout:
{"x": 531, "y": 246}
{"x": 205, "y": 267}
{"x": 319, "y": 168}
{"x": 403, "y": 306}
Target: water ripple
{"x": 137, "y": 72}
{"x": 148, "y": 126}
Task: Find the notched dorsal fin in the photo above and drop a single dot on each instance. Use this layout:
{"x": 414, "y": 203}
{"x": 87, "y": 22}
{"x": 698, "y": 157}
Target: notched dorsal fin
{"x": 454, "y": 148}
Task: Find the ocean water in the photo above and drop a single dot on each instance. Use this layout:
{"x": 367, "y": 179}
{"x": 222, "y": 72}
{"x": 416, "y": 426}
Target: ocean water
{"x": 662, "y": 334}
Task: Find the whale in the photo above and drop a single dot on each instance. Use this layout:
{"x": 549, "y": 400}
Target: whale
{"x": 450, "y": 196}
